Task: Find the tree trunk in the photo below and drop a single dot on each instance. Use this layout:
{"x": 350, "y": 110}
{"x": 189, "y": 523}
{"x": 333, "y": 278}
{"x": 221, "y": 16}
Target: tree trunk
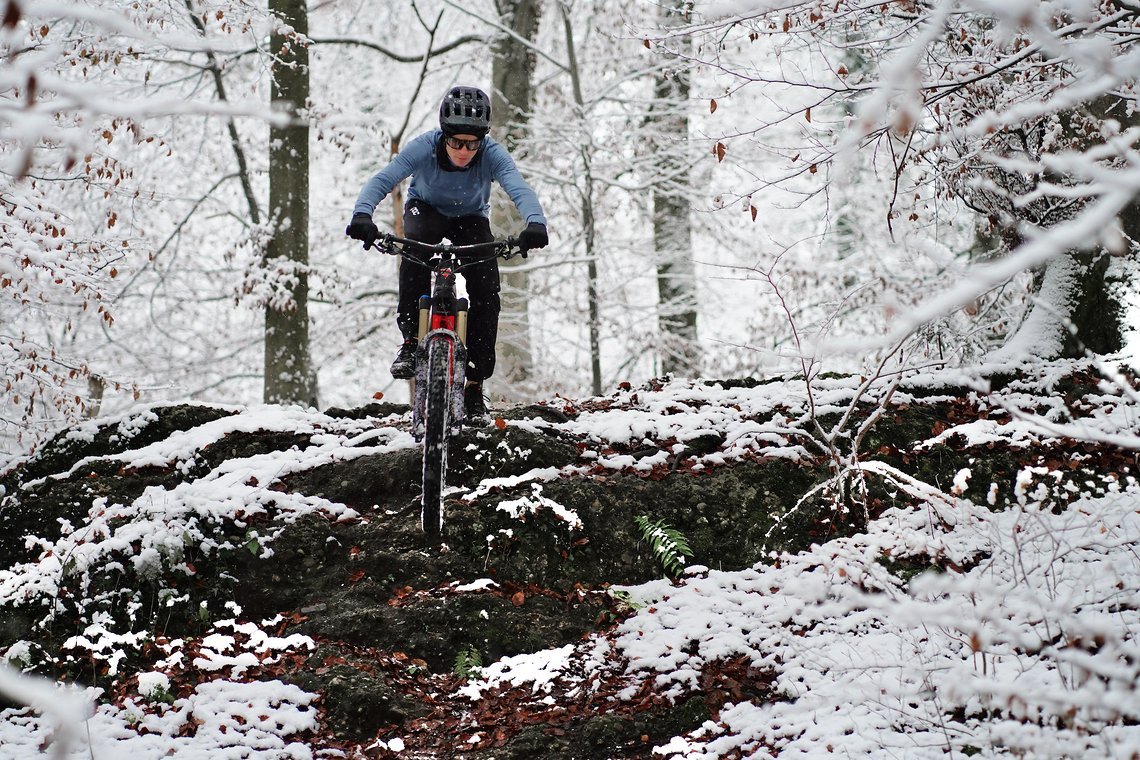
{"x": 1095, "y": 313}
{"x": 672, "y": 228}
{"x": 1078, "y": 310}
{"x": 512, "y": 72}
{"x": 289, "y": 377}
{"x": 1097, "y": 316}
{"x": 588, "y": 227}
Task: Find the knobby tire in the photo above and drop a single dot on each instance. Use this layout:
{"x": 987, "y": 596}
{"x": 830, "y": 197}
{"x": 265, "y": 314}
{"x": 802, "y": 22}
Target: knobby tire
{"x": 437, "y": 417}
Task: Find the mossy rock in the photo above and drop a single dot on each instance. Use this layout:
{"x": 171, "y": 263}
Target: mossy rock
{"x": 358, "y": 700}
{"x": 378, "y": 410}
{"x": 93, "y": 439}
{"x": 367, "y": 484}
{"x": 605, "y": 735}
{"x": 436, "y": 627}
{"x": 725, "y": 513}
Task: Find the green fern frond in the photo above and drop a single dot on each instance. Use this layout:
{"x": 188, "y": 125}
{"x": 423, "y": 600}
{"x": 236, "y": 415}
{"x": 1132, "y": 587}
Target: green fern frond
{"x": 669, "y": 545}
{"x": 468, "y": 662}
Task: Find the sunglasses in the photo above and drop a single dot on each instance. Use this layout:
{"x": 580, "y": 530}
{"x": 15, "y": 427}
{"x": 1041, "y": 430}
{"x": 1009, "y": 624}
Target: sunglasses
{"x": 457, "y": 144}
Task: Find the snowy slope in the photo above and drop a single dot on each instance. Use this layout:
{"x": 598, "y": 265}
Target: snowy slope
{"x": 955, "y": 625}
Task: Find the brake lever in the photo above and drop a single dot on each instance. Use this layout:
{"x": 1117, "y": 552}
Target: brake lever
{"x": 514, "y": 248}
{"x": 383, "y": 244}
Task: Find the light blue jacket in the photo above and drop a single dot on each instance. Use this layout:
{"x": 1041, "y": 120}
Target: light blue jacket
{"x": 461, "y": 192}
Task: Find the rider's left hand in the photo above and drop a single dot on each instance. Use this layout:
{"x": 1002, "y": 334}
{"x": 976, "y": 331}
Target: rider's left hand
{"x": 534, "y": 236}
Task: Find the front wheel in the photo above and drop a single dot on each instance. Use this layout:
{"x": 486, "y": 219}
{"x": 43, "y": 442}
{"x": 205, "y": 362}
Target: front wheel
{"x": 437, "y": 423}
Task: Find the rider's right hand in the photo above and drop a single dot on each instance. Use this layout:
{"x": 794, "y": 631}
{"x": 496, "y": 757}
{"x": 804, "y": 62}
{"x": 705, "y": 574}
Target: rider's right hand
{"x": 362, "y": 228}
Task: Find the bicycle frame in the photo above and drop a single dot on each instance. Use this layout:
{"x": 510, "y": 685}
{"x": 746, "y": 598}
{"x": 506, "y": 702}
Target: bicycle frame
{"x": 442, "y": 325}
{"x": 441, "y": 358}
{"x": 443, "y": 316}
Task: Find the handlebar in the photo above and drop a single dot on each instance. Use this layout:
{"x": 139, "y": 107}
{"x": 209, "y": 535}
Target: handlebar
{"x": 398, "y": 246}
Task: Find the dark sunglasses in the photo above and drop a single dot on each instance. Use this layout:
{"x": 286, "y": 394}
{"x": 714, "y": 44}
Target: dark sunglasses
{"x": 457, "y": 144}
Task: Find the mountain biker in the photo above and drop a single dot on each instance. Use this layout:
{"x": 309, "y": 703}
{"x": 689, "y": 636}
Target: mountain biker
{"x": 449, "y": 197}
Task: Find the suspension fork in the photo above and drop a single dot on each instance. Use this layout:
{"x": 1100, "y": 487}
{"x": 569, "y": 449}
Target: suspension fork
{"x": 441, "y": 312}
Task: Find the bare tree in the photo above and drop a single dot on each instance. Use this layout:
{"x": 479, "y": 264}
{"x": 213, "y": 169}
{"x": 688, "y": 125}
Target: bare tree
{"x": 588, "y": 199}
{"x": 672, "y": 207}
{"x": 82, "y": 148}
{"x": 1014, "y": 110}
{"x": 512, "y": 73}
{"x": 289, "y": 377}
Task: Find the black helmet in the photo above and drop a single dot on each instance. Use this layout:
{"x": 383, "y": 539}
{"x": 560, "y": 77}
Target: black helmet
{"x": 465, "y": 110}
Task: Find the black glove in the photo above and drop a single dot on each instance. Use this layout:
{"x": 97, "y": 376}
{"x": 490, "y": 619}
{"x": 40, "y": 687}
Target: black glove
{"x": 534, "y": 236}
{"x": 362, "y": 228}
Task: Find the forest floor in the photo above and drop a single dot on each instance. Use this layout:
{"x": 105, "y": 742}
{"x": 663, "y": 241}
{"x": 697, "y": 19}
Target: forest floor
{"x": 938, "y": 563}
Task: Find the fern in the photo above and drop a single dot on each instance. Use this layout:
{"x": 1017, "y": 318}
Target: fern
{"x": 468, "y": 662}
{"x": 667, "y": 543}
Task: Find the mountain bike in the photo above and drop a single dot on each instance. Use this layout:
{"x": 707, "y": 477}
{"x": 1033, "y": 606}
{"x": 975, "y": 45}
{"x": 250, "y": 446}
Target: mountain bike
{"x": 441, "y": 357}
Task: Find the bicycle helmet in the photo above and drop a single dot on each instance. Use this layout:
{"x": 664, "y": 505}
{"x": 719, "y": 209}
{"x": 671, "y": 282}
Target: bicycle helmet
{"x": 465, "y": 111}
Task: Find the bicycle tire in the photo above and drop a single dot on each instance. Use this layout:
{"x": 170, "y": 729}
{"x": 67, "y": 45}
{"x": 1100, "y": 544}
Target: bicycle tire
{"x": 436, "y": 430}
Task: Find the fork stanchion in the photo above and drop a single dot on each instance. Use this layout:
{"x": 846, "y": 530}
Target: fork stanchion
{"x": 425, "y": 316}
{"x": 461, "y": 320}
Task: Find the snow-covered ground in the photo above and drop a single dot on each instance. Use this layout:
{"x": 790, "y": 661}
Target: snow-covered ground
{"x": 945, "y": 629}
{"x": 1025, "y": 646}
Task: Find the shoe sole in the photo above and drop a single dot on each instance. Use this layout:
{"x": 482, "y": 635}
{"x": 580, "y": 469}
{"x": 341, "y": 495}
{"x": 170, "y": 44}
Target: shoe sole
{"x": 407, "y": 373}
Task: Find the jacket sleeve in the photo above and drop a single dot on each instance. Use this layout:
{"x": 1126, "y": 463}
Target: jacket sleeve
{"x": 402, "y": 166}
{"x": 505, "y": 172}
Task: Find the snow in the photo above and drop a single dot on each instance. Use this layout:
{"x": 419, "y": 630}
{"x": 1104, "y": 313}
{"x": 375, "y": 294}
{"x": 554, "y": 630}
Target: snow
{"x": 222, "y": 718}
{"x": 180, "y": 446}
{"x": 392, "y": 745}
{"x": 538, "y": 669}
{"x": 1022, "y": 644}
{"x": 859, "y": 653}
{"x": 479, "y": 584}
{"x": 152, "y": 684}
{"x": 229, "y": 720}
{"x": 535, "y": 501}
{"x": 61, "y": 709}
{"x": 162, "y": 521}
{"x": 1022, "y": 647}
